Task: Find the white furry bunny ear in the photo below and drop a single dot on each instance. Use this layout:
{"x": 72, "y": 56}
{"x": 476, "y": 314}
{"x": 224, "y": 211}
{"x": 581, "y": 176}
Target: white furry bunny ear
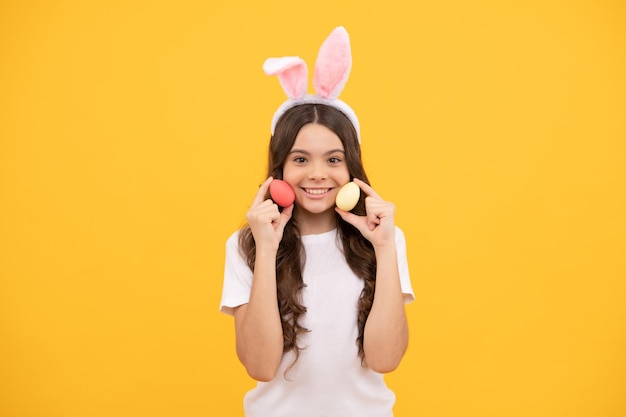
{"x": 333, "y": 64}
{"x": 292, "y": 73}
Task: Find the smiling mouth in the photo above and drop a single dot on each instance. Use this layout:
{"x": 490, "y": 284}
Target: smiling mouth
{"x": 316, "y": 191}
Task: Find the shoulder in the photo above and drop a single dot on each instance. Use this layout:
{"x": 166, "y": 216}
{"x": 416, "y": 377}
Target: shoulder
{"x": 233, "y": 238}
{"x": 233, "y": 243}
{"x": 235, "y": 254}
{"x": 400, "y": 237}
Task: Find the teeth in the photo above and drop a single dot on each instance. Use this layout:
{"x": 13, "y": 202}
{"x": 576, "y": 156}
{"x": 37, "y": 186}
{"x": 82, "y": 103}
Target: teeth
{"x": 316, "y": 190}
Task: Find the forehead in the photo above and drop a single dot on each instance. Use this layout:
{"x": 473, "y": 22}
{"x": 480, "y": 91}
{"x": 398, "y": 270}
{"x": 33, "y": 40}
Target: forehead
{"x": 317, "y": 137}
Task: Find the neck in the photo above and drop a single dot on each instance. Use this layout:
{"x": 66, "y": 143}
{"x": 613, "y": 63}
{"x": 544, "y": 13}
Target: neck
{"x": 315, "y": 223}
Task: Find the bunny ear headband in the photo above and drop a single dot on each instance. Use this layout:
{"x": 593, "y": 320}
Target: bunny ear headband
{"x": 332, "y": 68}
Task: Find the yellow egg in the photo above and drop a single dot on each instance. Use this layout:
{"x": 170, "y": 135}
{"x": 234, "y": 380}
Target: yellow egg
{"x": 348, "y": 196}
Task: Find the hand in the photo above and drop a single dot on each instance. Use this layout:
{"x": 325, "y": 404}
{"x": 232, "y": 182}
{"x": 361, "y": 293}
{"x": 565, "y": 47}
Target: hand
{"x": 266, "y": 222}
{"x": 378, "y": 224}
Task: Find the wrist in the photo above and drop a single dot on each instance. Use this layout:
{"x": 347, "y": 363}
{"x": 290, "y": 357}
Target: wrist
{"x": 385, "y": 248}
{"x": 266, "y": 252}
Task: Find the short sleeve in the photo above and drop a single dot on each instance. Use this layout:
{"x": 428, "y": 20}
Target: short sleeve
{"x": 237, "y": 277}
{"x": 403, "y": 267}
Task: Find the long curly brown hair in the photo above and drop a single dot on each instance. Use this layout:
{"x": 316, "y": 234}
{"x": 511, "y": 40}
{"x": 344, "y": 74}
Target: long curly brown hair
{"x": 358, "y": 251}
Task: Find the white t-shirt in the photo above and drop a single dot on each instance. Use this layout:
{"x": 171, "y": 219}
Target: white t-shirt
{"x": 328, "y": 379}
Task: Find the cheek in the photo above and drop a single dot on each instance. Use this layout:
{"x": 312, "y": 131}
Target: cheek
{"x": 346, "y": 175}
{"x": 289, "y": 174}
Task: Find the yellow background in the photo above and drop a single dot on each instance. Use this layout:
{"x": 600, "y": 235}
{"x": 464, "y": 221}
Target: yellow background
{"x": 133, "y": 137}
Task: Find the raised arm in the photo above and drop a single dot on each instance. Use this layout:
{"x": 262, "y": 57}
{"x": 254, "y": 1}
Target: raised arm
{"x": 386, "y": 330}
{"x": 258, "y": 326}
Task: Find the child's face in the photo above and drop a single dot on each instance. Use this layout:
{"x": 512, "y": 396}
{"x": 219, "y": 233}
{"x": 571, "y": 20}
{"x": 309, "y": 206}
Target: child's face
{"x": 316, "y": 168}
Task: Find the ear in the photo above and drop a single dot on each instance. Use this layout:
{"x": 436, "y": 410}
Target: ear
{"x": 292, "y": 73}
{"x": 333, "y": 65}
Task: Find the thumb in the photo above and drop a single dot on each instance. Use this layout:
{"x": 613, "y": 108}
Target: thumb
{"x": 285, "y": 216}
{"x": 353, "y": 219}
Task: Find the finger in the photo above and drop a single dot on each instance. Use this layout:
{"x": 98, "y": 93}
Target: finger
{"x": 260, "y": 195}
{"x": 375, "y": 206}
{"x": 275, "y": 218}
{"x": 266, "y": 214}
{"x": 284, "y": 218}
{"x": 372, "y": 221}
{"x": 376, "y": 210}
{"x": 366, "y": 188}
{"x": 379, "y": 208}
{"x": 263, "y": 207}
{"x": 357, "y": 221}
{"x": 286, "y": 213}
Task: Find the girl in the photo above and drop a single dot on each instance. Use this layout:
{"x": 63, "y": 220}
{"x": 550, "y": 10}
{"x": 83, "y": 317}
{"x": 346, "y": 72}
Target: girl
{"x": 318, "y": 293}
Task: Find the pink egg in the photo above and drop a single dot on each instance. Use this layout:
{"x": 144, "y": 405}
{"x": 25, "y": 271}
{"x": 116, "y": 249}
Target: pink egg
{"x": 282, "y": 193}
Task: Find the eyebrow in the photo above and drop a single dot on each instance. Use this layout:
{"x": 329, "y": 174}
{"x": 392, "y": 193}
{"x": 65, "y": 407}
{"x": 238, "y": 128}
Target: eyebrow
{"x": 302, "y": 151}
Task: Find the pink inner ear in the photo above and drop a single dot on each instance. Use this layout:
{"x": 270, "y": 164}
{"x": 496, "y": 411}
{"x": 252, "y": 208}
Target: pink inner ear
{"x": 294, "y": 81}
{"x": 333, "y": 65}
{"x": 292, "y": 74}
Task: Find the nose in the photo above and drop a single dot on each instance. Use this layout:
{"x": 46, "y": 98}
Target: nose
{"x": 317, "y": 171}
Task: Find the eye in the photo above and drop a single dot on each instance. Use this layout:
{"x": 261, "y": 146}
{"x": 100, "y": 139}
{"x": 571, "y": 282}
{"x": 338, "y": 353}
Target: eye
{"x": 299, "y": 160}
{"x": 334, "y": 160}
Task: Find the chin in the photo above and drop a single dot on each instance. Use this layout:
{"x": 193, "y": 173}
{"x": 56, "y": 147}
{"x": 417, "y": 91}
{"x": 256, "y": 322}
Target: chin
{"x": 316, "y": 208}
